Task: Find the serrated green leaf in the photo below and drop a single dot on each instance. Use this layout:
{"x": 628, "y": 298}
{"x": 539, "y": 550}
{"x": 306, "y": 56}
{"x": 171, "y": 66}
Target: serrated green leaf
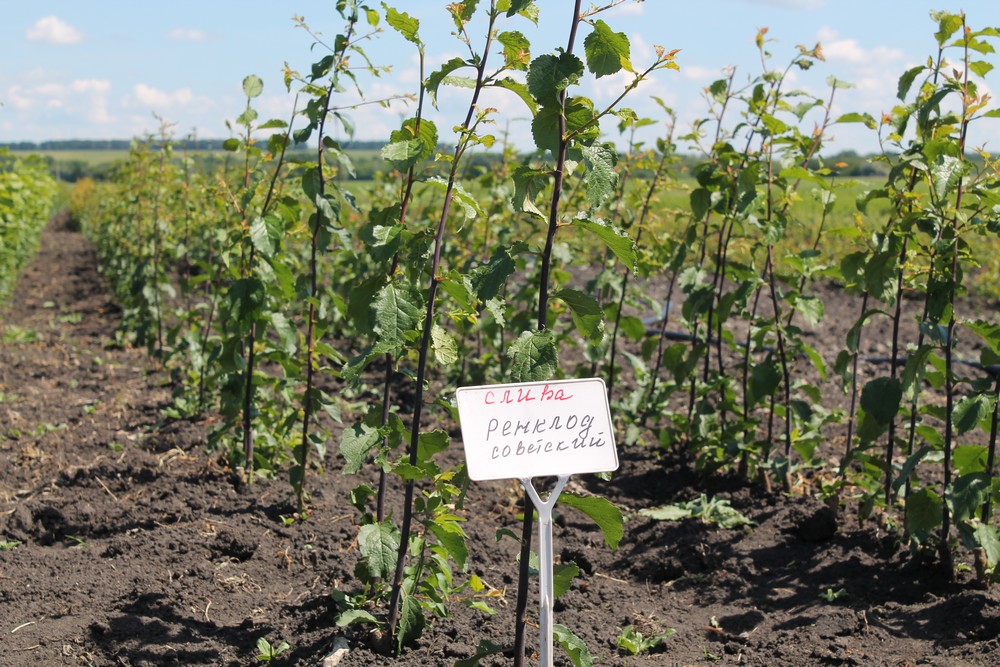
{"x": 969, "y": 458}
{"x": 563, "y": 575}
{"x": 489, "y": 278}
{"x": 519, "y": 89}
{"x": 667, "y": 513}
{"x": 355, "y": 616}
{"x": 528, "y": 182}
{"x": 516, "y": 50}
{"x": 577, "y": 651}
{"x": 452, "y": 538}
{"x": 397, "y": 310}
{"x": 485, "y": 649}
{"x": 971, "y": 410}
{"x": 579, "y": 124}
{"x": 533, "y": 356}
{"x": 968, "y": 493}
{"x": 946, "y": 173}
{"x": 379, "y": 546}
{"x": 444, "y": 345}
{"x": 607, "y": 51}
{"x": 437, "y": 77}
{"x": 253, "y": 86}
{"x": 602, "y": 511}
{"x": 923, "y": 513}
{"x": 403, "y": 23}
{"x": 549, "y": 75}
{"x": 586, "y": 311}
{"x": 355, "y": 445}
{"x": 765, "y": 378}
{"x": 601, "y": 178}
{"x": 459, "y": 195}
{"x": 880, "y": 398}
{"x": 411, "y": 620}
{"x": 616, "y": 239}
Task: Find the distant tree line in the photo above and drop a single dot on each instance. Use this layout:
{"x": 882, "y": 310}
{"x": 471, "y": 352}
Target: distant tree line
{"x": 365, "y": 158}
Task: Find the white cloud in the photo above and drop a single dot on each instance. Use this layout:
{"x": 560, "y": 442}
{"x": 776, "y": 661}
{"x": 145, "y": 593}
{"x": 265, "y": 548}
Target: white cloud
{"x": 188, "y": 35}
{"x": 153, "y": 97}
{"x": 53, "y": 30}
{"x": 848, "y": 50}
{"x": 789, "y": 4}
{"x": 90, "y": 86}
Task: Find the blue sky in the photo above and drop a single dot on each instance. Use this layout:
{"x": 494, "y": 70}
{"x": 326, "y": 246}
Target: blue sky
{"x": 71, "y": 69}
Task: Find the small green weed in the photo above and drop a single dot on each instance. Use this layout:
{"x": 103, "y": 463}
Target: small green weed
{"x": 709, "y": 510}
{"x": 634, "y": 642}
{"x": 266, "y": 652}
{"x": 832, "y": 596}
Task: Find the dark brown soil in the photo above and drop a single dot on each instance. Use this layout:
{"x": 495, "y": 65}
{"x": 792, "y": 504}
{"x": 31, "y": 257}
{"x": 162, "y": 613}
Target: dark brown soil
{"x": 136, "y": 548}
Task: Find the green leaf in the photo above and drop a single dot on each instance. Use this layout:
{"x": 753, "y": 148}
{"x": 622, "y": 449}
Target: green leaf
{"x": 545, "y": 125}
{"x": 607, "y": 51}
{"x": 519, "y": 89}
{"x": 971, "y": 410}
{"x": 410, "y": 145}
{"x": 444, "y": 345}
{"x": 577, "y": 651}
{"x": 969, "y": 458}
{"x": 379, "y": 546}
{"x": 355, "y": 445}
{"x": 549, "y": 75}
{"x": 431, "y": 443}
{"x": 533, "y": 356}
{"x": 587, "y": 314}
{"x": 436, "y": 78}
{"x": 355, "y": 616}
{"x": 601, "y": 178}
{"x": 985, "y": 536}
{"x": 923, "y": 513}
{"x": 946, "y": 173}
{"x": 264, "y": 237}
{"x": 667, "y": 513}
{"x": 528, "y": 182}
{"x": 765, "y": 378}
{"x": 287, "y": 336}
{"x": 562, "y": 577}
{"x": 906, "y": 80}
{"x": 451, "y": 537}
{"x": 968, "y": 493}
{"x": 403, "y": 23}
{"x": 411, "y": 620}
{"x": 485, "y": 649}
{"x": 811, "y": 308}
{"x": 880, "y": 398}
{"x": 602, "y": 511}
{"x": 488, "y": 279}
{"x": 459, "y": 195}
{"x": 397, "y": 310}
{"x": 253, "y": 86}
{"x": 617, "y": 240}
{"x": 516, "y": 50}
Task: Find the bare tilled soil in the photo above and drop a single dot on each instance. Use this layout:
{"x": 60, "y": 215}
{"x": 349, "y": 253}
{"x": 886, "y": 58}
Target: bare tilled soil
{"x": 127, "y": 544}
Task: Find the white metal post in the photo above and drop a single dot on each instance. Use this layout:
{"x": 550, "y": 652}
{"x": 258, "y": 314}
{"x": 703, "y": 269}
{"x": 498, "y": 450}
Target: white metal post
{"x": 546, "y": 594}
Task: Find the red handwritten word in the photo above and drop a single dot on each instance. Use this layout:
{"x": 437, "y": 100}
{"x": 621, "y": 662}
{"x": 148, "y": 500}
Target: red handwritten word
{"x": 524, "y": 395}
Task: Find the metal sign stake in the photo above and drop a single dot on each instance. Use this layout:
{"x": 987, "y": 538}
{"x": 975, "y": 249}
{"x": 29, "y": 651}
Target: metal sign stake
{"x": 545, "y": 560}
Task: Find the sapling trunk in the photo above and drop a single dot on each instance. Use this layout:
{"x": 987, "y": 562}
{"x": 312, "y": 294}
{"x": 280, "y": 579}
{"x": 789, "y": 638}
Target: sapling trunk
{"x": 302, "y": 458}
{"x": 521, "y": 606}
{"x": 394, "y": 599}
{"x": 991, "y": 454}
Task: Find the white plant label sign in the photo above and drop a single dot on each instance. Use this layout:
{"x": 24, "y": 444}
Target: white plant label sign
{"x": 537, "y": 429}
